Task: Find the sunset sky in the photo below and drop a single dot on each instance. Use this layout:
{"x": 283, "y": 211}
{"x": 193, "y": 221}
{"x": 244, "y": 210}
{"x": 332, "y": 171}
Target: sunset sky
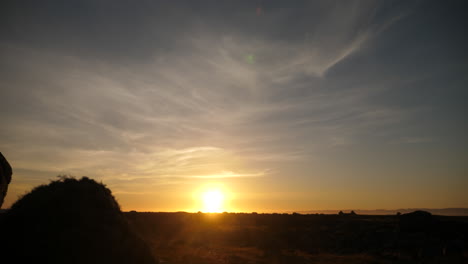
{"x": 275, "y": 105}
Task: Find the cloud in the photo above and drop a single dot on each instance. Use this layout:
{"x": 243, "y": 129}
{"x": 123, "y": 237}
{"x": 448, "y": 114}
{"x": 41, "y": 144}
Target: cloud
{"x": 416, "y": 140}
{"x": 228, "y": 174}
{"x": 198, "y": 110}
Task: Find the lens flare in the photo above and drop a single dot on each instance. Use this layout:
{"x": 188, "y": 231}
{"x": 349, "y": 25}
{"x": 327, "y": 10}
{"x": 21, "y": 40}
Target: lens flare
{"x": 250, "y": 59}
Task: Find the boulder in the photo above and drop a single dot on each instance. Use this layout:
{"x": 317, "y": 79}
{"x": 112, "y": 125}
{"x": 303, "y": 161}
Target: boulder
{"x": 417, "y": 221}
{"x": 71, "y": 221}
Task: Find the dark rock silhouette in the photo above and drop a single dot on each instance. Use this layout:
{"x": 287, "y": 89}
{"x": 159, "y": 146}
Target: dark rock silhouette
{"x": 341, "y": 213}
{"x": 417, "y": 221}
{"x": 71, "y": 221}
{"x": 5, "y": 177}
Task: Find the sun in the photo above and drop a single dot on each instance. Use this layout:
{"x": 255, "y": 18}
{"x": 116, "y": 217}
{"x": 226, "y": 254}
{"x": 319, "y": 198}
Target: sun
{"x": 213, "y": 201}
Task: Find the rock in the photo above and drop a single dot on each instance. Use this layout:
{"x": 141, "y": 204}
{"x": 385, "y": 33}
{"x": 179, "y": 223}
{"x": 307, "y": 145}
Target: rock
{"x": 417, "y": 221}
{"x": 71, "y": 221}
{"x": 5, "y": 177}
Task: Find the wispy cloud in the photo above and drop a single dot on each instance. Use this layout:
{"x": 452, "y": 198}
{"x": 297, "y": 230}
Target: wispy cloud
{"x": 227, "y": 174}
{"x": 415, "y": 140}
{"x": 199, "y": 110}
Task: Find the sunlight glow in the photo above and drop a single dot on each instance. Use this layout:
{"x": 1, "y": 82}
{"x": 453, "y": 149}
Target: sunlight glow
{"x": 213, "y": 201}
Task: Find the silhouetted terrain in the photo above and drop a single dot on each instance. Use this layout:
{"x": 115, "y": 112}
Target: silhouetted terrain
{"x": 70, "y": 221}
{"x": 5, "y": 177}
{"x": 417, "y": 237}
{"x": 435, "y": 211}
{"x": 79, "y": 221}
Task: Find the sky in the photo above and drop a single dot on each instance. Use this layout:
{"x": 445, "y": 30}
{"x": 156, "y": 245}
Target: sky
{"x": 278, "y": 105}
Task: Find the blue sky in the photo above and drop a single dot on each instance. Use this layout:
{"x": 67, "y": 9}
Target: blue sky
{"x": 303, "y": 105}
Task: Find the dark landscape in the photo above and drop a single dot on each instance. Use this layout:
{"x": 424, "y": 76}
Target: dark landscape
{"x": 417, "y": 237}
{"x": 79, "y": 221}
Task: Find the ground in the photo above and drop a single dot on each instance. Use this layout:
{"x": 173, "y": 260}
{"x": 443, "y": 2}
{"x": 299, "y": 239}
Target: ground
{"x": 294, "y": 238}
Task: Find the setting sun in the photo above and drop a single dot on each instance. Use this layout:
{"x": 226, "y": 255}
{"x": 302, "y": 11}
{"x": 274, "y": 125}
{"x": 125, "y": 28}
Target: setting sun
{"x": 213, "y": 201}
